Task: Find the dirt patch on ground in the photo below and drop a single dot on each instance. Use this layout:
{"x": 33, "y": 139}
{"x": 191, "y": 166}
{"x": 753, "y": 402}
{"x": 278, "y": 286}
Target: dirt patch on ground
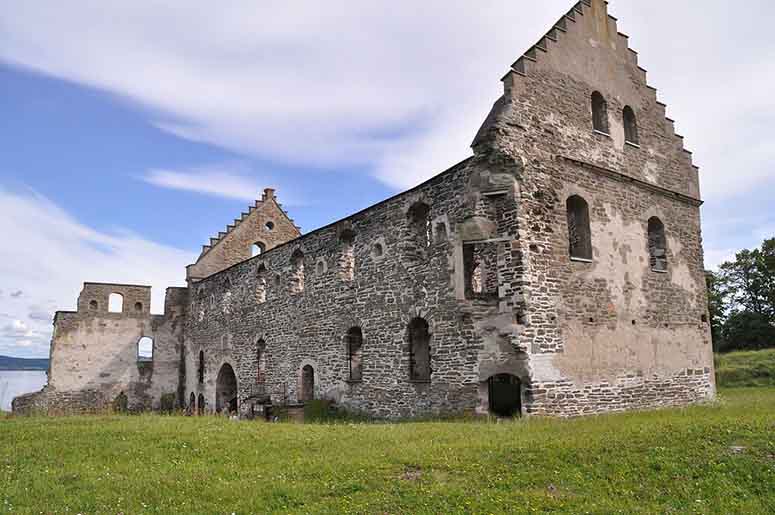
{"x": 411, "y": 473}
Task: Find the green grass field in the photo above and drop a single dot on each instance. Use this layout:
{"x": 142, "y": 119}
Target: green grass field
{"x": 718, "y": 458}
{"x": 753, "y": 368}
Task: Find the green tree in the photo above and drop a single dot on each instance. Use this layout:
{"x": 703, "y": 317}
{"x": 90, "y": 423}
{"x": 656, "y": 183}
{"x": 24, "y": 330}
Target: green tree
{"x": 748, "y": 282}
{"x": 748, "y": 331}
{"x": 741, "y": 298}
{"x": 716, "y": 308}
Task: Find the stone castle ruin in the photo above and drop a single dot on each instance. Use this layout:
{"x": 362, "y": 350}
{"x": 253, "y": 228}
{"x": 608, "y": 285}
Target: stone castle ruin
{"x": 557, "y": 271}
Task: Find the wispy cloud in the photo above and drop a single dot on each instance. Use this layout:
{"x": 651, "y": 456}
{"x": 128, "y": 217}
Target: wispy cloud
{"x": 227, "y": 180}
{"x": 53, "y": 254}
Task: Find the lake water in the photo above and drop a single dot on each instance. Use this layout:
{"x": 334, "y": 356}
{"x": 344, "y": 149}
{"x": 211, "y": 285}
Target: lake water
{"x": 16, "y": 382}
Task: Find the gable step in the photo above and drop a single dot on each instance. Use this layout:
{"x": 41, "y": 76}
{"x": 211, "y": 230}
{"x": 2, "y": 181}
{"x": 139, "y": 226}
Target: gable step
{"x": 519, "y": 66}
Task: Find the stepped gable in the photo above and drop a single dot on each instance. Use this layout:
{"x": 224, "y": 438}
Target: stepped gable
{"x": 264, "y": 226}
{"x": 554, "y": 38}
{"x": 267, "y": 195}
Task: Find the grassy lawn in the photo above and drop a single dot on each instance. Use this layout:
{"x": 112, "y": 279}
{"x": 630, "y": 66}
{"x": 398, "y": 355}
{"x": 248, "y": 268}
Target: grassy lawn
{"x": 753, "y": 368}
{"x": 710, "y": 459}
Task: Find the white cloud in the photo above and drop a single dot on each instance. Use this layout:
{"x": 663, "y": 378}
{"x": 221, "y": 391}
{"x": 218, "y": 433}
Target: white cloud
{"x": 299, "y": 82}
{"x": 52, "y": 254}
{"x": 397, "y": 87}
{"x": 227, "y": 180}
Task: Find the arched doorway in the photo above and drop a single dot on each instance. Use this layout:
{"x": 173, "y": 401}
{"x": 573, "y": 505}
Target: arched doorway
{"x": 192, "y": 403}
{"x": 505, "y": 395}
{"x": 307, "y": 383}
{"x": 200, "y": 406}
{"x": 226, "y": 389}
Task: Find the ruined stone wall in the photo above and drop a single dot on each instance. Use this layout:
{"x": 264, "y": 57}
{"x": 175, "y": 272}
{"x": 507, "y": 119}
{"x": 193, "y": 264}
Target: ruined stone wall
{"x": 611, "y": 333}
{"x": 480, "y": 253}
{"x": 265, "y": 223}
{"x": 94, "y": 352}
{"x": 395, "y": 269}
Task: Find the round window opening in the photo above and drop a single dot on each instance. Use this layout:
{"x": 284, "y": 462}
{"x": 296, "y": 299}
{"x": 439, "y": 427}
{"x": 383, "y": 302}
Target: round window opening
{"x": 269, "y": 225}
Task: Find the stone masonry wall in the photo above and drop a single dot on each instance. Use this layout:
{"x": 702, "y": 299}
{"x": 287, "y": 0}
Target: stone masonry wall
{"x": 94, "y": 353}
{"x": 395, "y": 269}
{"x": 612, "y": 333}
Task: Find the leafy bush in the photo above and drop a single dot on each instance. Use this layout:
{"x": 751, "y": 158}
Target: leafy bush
{"x": 120, "y": 403}
{"x": 168, "y": 401}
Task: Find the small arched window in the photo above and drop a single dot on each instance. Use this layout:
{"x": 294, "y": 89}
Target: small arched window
{"x": 630, "y": 125}
{"x": 579, "y": 232}
{"x": 94, "y": 305}
{"x": 192, "y": 403}
{"x": 657, "y": 245}
{"x": 419, "y": 350}
{"x": 260, "y": 349}
{"x": 257, "y": 249}
{"x": 599, "y": 112}
{"x": 145, "y": 349}
{"x": 201, "y": 367}
{"x": 139, "y": 307}
{"x": 269, "y": 226}
{"x": 354, "y": 339}
{"x": 115, "y": 303}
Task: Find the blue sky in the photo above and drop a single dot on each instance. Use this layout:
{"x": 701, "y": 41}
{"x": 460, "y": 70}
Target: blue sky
{"x": 131, "y": 132}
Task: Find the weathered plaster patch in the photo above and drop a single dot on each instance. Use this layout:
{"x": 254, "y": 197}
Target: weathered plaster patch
{"x": 651, "y": 172}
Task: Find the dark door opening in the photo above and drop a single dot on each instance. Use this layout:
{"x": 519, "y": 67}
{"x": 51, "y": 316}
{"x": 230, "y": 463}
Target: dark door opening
{"x": 505, "y": 394}
{"x": 307, "y": 384}
{"x": 226, "y": 390}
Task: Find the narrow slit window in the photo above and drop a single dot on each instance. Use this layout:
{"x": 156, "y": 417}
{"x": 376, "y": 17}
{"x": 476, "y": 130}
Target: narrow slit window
{"x": 354, "y": 349}
{"x": 260, "y": 350}
{"x": 297, "y": 272}
{"x": 347, "y": 256}
{"x": 261, "y": 284}
{"x": 419, "y": 350}
{"x": 441, "y": 232}
{"x": 201, "y": 367}
{"x": 420, "y": 230}
{"x": 657, "y": 245}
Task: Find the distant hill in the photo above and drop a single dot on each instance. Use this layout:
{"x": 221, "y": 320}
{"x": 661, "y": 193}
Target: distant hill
{"x": 9, "y": 363}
